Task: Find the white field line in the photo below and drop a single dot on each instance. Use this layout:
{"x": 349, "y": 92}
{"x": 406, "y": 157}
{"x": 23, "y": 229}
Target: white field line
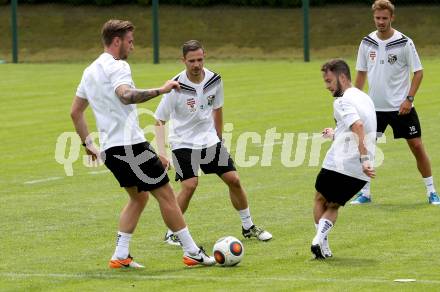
{"x": 125, "y": 276}
{"x": 37, "y": 181}
{"x": 99, "y": 171}
{"x": 52, "y": 178}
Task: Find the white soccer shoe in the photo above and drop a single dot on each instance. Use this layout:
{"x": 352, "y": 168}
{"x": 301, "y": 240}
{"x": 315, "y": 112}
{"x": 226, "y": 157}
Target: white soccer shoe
{"x": 256, "y": 232}
{"x": 326, "y": 249}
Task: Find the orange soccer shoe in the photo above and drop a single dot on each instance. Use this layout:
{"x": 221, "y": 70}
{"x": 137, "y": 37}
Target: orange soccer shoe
{"x": 201, "y": 258}
{"x": 125, "y": 263}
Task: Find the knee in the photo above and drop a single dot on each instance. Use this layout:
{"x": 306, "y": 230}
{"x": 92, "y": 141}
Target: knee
{"x": 234, "y": 182}
{"x": 141, "y": 199}
{"x": 320, "y": 199}
{"x": 189, "y": 186}
{"x": 417, "y": 146}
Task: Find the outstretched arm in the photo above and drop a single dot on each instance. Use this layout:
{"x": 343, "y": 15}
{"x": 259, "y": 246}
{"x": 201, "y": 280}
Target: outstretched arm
{"x": 129, "y": 95}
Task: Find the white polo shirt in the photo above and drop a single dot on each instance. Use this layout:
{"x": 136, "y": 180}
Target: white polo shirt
{"x": 388, "y": 63}
{"x": 190, "y": 111}
{"x": 343, "y": 155}
{"x": 117, "y": 123}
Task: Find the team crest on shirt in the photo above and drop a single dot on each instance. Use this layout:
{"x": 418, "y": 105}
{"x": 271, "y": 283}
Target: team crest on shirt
{"x": 211, "y": 100}
{"x": 392, "y": 58}
{"x": 191, "y": 103}
{"x": 372, "y": 55}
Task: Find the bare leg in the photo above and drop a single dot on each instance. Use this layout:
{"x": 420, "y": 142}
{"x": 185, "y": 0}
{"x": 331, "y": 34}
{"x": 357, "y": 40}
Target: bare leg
{"x": 332, "y": 212}
{"x": 423, "y": 163}
{"x": 320, "y": 207}
{"x": 187, "y": 189}
{"x": 171, "y": 214}
{"x": 132, "y": 211}
{"x": 236, "y": 192}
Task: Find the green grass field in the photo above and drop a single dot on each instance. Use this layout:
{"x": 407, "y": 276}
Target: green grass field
{"x": 58, "y": 231}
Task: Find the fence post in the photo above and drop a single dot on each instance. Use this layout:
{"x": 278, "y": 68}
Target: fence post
{"x": 155, "y": 18}
{"x": 306, "y": 27}
{"x": 14, "y": 31}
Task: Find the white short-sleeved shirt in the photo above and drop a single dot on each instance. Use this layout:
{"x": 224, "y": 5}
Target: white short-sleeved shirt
{"x": 190, "y": 111}
{"x": 343, "y": 155}
{"x": 388, "y": 63}
{"x": 117, "y": 123}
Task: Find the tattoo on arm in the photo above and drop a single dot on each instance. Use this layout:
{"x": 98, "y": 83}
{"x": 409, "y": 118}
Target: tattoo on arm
{"x": 132, "y": 96}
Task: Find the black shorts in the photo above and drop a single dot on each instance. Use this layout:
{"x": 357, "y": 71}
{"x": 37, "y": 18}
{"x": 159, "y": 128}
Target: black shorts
{"x": 404, "y": 126}
{"x": 144, "y": 171}
{"x": 337, "y": 187}
{"x": 214, "y": 159}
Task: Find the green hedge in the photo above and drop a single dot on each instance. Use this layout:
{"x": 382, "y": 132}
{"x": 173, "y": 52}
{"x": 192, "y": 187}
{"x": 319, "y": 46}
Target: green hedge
{"x": 272, "y": 3}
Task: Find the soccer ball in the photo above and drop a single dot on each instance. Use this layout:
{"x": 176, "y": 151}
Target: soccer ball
{"x": 228, "y": 251}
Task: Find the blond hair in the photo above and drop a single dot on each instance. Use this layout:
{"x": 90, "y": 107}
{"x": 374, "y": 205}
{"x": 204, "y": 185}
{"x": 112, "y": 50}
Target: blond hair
{"x": 383, "y": 5}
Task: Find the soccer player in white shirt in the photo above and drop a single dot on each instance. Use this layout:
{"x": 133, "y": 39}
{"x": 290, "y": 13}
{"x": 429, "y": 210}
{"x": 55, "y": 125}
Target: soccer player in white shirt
{"x": 108, "y": 87}
{"x": 348, "y": 164}
{"x": 386, "y": 57}
{"x": 196, "y": 123}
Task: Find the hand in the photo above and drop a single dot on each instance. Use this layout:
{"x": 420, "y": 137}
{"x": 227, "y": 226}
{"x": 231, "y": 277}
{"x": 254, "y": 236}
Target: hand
{"x": 368, "y": 169}
{"x": 405, "y": 107}
{"x": 93, "y": 155}
{"x": 165, "y": 161}
{"x": 170, "y": 85}
{"x": 328, "y": 133}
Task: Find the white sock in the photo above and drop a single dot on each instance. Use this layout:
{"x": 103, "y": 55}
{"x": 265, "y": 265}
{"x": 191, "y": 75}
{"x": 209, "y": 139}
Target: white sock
{"x": 246, "y": 219}
{"x": 366, "y": 190}
{"x": 169, "y": 232}
{"x": 324, "y": 228}
{"x": 187, "y": 241}
{"x": 429, "y": 183}
{"x": 122, "y": 244}
{"x": 325, "y": 240}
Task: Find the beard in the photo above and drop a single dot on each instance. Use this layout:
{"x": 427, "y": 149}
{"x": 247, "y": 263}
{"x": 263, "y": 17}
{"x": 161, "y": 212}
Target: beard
{"x": 338, "y": 92}
{"x": 123, "y": 53}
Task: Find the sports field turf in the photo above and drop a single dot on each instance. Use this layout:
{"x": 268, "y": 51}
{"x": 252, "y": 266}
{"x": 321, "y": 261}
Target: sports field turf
{"x": 58, "y": 231}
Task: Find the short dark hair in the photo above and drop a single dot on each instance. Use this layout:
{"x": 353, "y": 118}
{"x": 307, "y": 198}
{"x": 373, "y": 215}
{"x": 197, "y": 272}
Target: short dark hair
{"x": 337, "y": 66}
{"x": 115, "y": 28}
{"x": 190, "y": 46}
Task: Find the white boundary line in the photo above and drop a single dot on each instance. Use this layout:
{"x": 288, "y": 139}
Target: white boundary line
{"x": 126, "y": 276}
{"x": 31, "y": 182}
{"x": 99, "y": 171}
{"x": 52, "y": 178}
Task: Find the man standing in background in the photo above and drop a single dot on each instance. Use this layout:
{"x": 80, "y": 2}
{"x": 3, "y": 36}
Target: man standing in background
{"x": 386, "y": 57}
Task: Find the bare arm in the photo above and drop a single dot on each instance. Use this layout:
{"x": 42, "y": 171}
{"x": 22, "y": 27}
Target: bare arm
{"x": 77, "y": 114}
{"x": 159, "y": 130}
{"x": 217, "y": 114}
{"x": 129, "y": 95}
{"x": 367, "y": 167}
{"x": 405, "y": 107}
{"x": 415, "y": 83}
{"x": 361, "y": 77}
